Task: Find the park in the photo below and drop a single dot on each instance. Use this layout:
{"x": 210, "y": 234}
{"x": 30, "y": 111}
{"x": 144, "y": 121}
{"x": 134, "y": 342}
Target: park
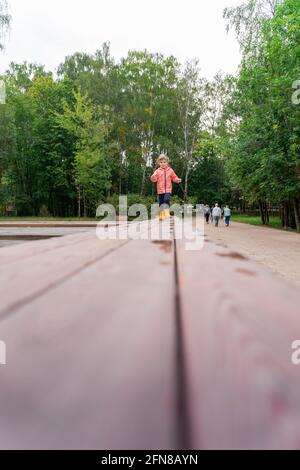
{"x": 150, "y": 230}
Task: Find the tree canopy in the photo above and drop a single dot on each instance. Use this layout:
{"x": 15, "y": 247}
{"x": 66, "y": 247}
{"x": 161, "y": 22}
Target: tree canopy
{"x": 70, "y": 142}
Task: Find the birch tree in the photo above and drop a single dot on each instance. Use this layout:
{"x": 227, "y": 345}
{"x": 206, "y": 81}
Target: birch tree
{"x": 190, "y": 102}
{"x": 5, "y": 21}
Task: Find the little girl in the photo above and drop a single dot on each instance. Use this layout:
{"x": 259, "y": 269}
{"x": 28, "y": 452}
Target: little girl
{"x": 164, "y": 176}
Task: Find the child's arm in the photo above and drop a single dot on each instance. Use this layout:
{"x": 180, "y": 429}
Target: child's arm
{"x": 153, "y": 178}
{"x": 175, "y": 177}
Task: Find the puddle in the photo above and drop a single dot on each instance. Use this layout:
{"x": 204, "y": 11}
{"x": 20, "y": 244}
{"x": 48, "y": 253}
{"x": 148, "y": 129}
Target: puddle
{"x": 165, "y": 245}
{"x": 232, "y": 254}
{"x": 246, "y": 272}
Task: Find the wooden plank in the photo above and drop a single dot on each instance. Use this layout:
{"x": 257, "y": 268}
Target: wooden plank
{"x": 22, "y": 281}
{"x": 27, "y": 277}
{"x": 116, "y": 355}
{"x": 238, "y": 323}
{"x": 91, "y": 362}
{"x": 15, "y": 253}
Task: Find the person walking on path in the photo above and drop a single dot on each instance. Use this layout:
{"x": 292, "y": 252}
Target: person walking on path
{"x": 227, "y": 215}
{"x": 216, "y": 213}
{"x": 164, "y": 176}
{"x": 207, "y": 213}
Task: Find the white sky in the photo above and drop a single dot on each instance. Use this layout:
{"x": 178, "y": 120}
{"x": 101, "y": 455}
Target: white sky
{"x": 45, "y": 31}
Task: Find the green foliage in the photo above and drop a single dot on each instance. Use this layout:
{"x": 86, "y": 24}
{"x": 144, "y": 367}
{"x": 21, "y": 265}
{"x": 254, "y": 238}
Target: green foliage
{"x": 67, "y": 144}
{"x": 262, "y": 133}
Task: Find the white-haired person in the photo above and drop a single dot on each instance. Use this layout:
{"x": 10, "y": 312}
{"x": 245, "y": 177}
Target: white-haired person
{"x": 217, "y": 214}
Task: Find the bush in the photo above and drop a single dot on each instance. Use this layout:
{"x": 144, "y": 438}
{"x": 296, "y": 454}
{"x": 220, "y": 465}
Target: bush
{"x": 44, "y": 211}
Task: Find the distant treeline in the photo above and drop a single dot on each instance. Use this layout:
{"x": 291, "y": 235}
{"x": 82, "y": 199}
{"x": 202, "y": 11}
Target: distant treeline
{"x": 74, "y": 140}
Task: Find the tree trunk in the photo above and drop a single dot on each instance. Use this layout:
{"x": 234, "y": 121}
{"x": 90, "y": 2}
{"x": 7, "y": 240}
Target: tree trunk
{"x": 186, "y": 182}
{"x": 262, "y": 212}
{"x": 267, "y": 218}
{"x": 79, "y": 202}
{"x": 84, "y": 205}
{"x": 296, "y": 211}
{"x": 285, "y": 215}
{"x": 281, "y": 213}
{"x": 143, "y": 181}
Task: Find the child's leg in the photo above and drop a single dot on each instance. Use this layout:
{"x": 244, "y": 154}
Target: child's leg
{"x": 161, "y": 198}
{"x": 167, "y": 204}
{"x": 167, "y": 198}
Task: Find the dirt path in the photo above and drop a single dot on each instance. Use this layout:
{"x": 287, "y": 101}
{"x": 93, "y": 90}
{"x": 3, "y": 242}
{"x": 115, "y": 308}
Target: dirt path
{"x": 277, "y": 250}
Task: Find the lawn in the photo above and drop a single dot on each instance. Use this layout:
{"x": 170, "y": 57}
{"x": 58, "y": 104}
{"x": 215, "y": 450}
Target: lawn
{"x": 275, "y": 222}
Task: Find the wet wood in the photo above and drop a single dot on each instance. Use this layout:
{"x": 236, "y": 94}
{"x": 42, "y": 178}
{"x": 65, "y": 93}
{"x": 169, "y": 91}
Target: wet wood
{"x": 142, "y": 344}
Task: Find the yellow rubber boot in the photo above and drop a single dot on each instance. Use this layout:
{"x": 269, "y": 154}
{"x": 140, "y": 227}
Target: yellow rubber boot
{"x": 167, "y": 213}
{"x": 161, "y": 215}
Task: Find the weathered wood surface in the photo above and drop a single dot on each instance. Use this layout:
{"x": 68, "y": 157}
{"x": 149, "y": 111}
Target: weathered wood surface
{"x": 238, "y": 324}
{"x": 91, "y": 358}
{"x": 119, "y": 344}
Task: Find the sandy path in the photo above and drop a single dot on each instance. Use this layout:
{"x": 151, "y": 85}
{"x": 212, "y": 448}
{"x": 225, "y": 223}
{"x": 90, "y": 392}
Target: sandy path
{"x": 277, "y": 250}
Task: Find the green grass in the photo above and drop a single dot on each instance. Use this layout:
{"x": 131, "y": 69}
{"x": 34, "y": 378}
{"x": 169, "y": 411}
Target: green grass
{"x": 275, "y": 222}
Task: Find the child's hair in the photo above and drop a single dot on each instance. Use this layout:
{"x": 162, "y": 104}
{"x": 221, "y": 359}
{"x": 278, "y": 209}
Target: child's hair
{"x": 162, "y": 157}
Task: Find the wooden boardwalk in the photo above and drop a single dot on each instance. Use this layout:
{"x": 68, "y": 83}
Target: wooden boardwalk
{"x": 141, "y": 344}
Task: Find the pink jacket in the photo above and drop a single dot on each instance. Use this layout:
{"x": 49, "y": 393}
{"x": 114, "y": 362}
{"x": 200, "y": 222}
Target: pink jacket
{"x": 164, "y": 177}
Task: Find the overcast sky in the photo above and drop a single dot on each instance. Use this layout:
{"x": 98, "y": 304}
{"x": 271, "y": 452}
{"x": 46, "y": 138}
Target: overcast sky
{"x": 45, "y": 31}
